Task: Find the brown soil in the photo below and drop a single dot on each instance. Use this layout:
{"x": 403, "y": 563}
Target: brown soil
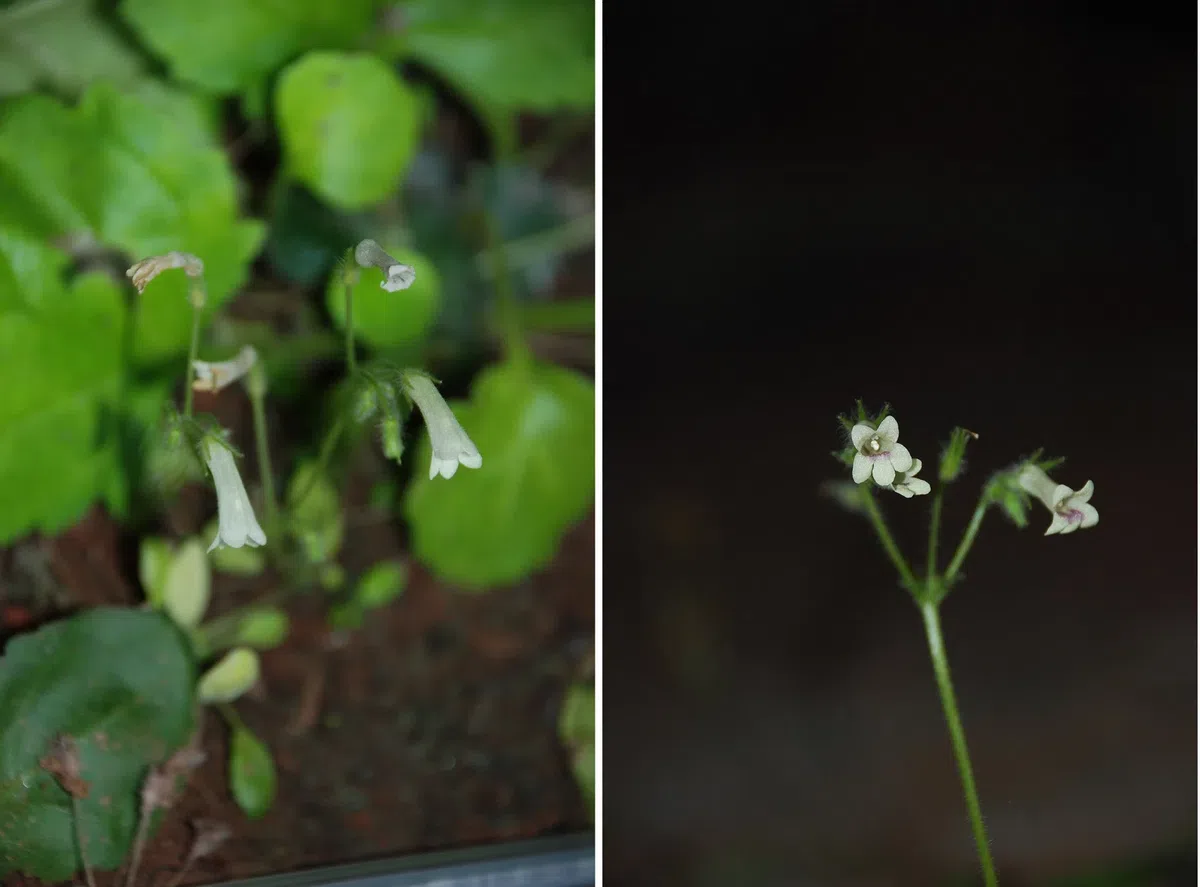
{"x": 433, "y": 726}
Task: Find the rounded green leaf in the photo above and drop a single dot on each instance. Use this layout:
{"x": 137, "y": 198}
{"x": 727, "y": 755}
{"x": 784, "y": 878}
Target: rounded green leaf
{"x": 251, "y": 773}
{"x": 381, "y": 584}
{"x": 187, "y": 584}
{"x": 534, "y": 424}
{"x": 349, "y": 126}
{"x": 230, "y": 678}
{"x": 154, "y": 557}
{"x": 120, "y": 683}
{"x": 522, "y": 54}
{"x": 389, "y": 320}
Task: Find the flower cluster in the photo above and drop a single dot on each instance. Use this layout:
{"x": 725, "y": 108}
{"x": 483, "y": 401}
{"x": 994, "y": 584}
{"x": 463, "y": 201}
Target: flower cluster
{"x": 1070, "y": 508}
{"x": 879, "y": 454}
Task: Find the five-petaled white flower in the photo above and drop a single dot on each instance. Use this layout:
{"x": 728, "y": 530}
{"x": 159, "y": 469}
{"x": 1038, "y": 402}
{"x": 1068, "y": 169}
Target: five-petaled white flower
{"x": 1070, "y": 508}
{"x": 237, "y": 525}
{"x": 396, "y": 275}
{"x": 877, "y": 453}
{"x": 450, "y": 443}
{"x": 907, "y": 484}
{"x": 215, "y": 376}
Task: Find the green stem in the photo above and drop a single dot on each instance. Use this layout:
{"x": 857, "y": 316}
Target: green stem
{"x": 507, "y": 310}
{"x": 327, "y": 447}
{"x": 889, "y": 544}
{"x": 193, "y": 353}
{"x": 935, "y": 525}
{"x": 264, "y": 456}
{"x": 351, "y": 363}
{"x": 958, "y": 739}
{"x": 968, "y": 540}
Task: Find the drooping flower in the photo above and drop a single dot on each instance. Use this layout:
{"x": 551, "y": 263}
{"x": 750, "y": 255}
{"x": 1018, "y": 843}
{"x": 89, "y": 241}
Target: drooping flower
{"x": 907, "y": 484}
{"x": 215, "y": 376}
{"x": 141, "y": 273}
{"x": 1071, "y": 508}
{"x": 396, "y": 275}
{"x": 451, "y": 446}
{"x": 236, "y": 523}
{"x": 878, "y": 453}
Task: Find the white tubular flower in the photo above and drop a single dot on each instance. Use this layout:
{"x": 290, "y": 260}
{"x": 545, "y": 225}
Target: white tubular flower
{"x": 451, "y": 445}
{"x": 147, "y": 269}
{"x": 1070, "y": 508}
{"x": 396, "y": 275}
{"x": 236, "y": 523}
{"x": 215, "y": 376}
{"x": 907, "y": 484}
{"x": 877, "y": 453}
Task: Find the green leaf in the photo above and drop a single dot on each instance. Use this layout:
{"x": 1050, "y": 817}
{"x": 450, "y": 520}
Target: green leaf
{"x": 577, "y": 730}
{"x": 251, "y": 773}
{"x": 315, "y": 510}
{"x": 389, "y": 320}
{"x": 187, "y": 585}
{"x": 349, "y": 126}
{"x": 381, "y": 584}
{"x": 536, "y": 55}
{"x": 535, "y": 426}
{"x": 139, "y": 170}
{"x": 230, "y": 678}
{"x": 62, "y": 45}
{"x": 262, "y": 628}
{"x": 154, "y": 556}
{"x": 59, "y": 351}
{"x": 225, "y": 46}
{"x": 120, "y": 683}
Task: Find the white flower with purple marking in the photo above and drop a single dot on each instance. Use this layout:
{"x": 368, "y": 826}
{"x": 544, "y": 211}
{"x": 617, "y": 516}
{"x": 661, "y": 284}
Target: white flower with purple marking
{"x": 878, "y": 453}
{"x": 450, "y": 443}
{"x": 1071, "y": 508}
{"x": 907, "y": 484}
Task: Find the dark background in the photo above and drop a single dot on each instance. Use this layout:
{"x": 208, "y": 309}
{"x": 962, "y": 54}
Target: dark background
{"x": 986, "y": 218}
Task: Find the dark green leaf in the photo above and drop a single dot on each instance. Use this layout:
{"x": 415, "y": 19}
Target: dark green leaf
{"x": 120, "y": 683}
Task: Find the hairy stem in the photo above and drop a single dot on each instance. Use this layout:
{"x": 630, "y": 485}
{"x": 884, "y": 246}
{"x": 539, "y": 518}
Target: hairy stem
{"x": 889, "y": 544}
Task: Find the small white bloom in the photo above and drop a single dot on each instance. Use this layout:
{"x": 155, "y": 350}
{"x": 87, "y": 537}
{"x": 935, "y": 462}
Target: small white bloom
{"x": 907, "y": 484}
{"x": 397, "y": 275}
{"x": 877, "y": 453}
{"x": 236, "y": 523}
{"x": 215, "y": 376}
{"x": 450, "y": 443}
{"x": 1070, "y": 508}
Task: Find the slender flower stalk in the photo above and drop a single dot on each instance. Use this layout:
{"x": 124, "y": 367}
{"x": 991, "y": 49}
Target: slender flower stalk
{"x": 958, "y": 738}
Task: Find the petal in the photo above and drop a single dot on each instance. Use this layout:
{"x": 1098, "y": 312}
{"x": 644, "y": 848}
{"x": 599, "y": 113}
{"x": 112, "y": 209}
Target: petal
{"x": 883, "y": 472}
{"x": 900, "y": 457}
{"x": 1091, "y": 516}
{"x": 859, "y": 434}
{"x": 1056, "y": 525}
{"x": 1071, "y": 527}
{"x": 904, "y": 491}
{"x": 889, "y": 432}
{"x": 1061, "y": 494}
{"x": 216, "y": 543}
{"x": 435, "y": 466}
{"x": 916, "y": 466}
{"x": 862, "y": 468}
{"x": 1086, "y": 493}
{"x": 918, "y": 486}
{"x": 470, "y": 458}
